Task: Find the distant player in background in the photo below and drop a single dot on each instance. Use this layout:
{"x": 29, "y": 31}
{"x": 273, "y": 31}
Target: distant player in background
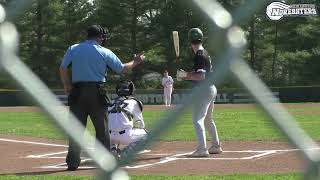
{"x": 123, "y": 113}
{"x": 202, "y": 111}
{"x": 167, "y": 83}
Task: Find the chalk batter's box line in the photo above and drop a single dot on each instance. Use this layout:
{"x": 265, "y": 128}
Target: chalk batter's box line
{"x": 170, "y": 159}
{"x": 262, "y": 153}
{"x": 64, "y": 165}
{"x": 165, "y": 160}
{"x": 178, "y": 157}
{"x": 50, "y": 155}
{"x": 162, "y": 160}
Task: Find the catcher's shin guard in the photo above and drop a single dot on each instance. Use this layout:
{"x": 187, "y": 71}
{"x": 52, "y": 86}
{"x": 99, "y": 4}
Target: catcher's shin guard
{"x": 133, "y": 145}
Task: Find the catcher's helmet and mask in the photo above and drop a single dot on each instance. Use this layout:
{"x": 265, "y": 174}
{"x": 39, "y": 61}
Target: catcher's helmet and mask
{"x": 94, "y": 31}
{"x": 125, "y": 89}
{"x": 195, "y": 35}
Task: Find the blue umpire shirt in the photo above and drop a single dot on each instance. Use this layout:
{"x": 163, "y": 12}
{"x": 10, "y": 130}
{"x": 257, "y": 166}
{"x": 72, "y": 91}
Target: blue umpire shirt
{"x": 89, "y": 62}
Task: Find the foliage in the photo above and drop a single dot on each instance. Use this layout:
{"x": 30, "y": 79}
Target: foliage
{"x": 50, "y": 26}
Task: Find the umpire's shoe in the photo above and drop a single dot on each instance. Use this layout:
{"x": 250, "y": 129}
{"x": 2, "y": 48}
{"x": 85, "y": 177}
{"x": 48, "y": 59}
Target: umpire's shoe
{"x": 72, "y": 168}
{"x": 72, "y": 161}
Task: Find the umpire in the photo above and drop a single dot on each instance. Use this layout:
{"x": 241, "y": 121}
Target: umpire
{"x": 88, "y": 62}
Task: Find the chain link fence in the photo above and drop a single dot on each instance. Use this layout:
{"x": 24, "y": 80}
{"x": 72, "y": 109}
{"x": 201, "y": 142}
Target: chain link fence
{"x": 231, "y": 42}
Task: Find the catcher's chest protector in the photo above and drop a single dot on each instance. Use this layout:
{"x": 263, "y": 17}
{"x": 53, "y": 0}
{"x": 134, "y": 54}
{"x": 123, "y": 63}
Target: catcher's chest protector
{"x": 119, "y": 105}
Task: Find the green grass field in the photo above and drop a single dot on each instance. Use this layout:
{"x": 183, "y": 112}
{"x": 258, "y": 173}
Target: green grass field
{"x": 239, "y": 123}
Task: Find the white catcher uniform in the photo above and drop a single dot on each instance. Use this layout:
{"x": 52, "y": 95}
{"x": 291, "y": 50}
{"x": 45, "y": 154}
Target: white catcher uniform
{"x": 124, "y": 112}
{"x": 167, "y": 83}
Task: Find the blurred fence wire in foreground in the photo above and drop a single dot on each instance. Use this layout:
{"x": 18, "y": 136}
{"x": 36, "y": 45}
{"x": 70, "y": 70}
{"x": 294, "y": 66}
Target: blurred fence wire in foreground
{"x": 232, "y": 43}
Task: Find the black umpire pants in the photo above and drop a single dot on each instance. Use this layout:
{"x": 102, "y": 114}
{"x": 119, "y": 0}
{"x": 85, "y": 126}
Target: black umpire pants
{"x": 86, "y": 100}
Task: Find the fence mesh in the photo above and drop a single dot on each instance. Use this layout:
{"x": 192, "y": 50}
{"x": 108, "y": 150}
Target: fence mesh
{"x": 230, "y": 62}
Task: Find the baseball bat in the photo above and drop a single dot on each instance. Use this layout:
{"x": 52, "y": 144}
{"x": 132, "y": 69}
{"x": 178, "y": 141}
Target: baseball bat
{"x": 175, "y": 36}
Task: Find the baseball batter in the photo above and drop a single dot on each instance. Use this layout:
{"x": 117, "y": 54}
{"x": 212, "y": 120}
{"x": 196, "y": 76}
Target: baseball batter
{"x": 123, "y": 112}
{"x": 167, "y": 83}
{"x": 202, "y": 111}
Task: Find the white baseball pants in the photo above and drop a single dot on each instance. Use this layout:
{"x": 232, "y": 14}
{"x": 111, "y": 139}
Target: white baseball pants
{"x": 167, "y": 95}
{"x": 202, "y": 119}
{"x": 129, "y": 136}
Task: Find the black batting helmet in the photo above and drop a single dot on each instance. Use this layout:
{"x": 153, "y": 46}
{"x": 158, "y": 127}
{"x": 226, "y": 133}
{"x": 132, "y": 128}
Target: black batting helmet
{"x": 195, "y": 35}
{"x": 125, "y": 89}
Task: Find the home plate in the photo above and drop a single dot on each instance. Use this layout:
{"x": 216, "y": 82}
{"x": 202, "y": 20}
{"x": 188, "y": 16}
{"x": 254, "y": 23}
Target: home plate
{"x": 144, "y": 151}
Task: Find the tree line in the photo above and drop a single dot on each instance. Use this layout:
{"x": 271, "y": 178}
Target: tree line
{"x": 282, "y": 53}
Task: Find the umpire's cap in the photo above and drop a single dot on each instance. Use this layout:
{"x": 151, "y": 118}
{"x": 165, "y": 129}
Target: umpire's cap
{"x": 96, "y": 31}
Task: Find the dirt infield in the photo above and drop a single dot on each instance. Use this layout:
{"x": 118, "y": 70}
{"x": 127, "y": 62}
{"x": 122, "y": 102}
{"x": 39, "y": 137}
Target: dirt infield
{"x": 36, "y": 156}
{"x": 25, "y": 155}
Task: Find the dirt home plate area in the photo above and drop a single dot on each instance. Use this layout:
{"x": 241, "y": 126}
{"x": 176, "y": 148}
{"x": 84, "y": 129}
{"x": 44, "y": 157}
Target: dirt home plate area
{"x": 33, "y": 156}
{"x": 38, "y": 156}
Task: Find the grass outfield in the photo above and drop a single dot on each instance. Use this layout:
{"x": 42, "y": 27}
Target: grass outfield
{"x": 292, "y": 176}
{"x": 239, "y": 123}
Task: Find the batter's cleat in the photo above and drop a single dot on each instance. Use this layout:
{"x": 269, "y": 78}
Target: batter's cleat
{"x": 215, "y": 149}
{"x": 199, "y": 153}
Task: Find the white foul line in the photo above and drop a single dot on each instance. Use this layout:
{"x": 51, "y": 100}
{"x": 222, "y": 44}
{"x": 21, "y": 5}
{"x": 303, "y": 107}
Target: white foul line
{"x": 178, "y": 157}
{"x": 64, "y": 165}
{"x": 259, "y": 155}
{"x": 29, "y": 142}
{"x": 151, "y": 164}
{"x": 46, "y": 155}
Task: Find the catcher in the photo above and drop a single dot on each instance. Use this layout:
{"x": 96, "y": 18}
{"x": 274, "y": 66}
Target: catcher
{"x": 124, "y": 112}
